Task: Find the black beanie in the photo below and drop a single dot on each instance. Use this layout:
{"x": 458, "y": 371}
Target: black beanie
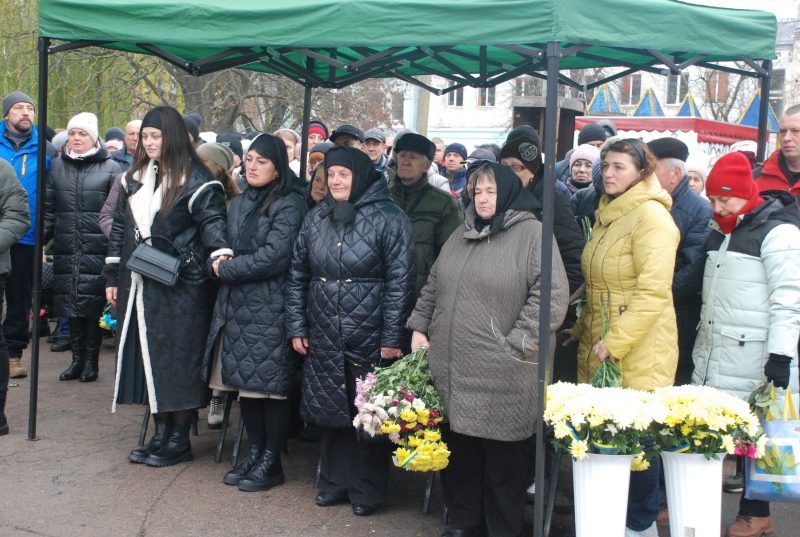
{"x": 416, "y": 143}
{"x": 592, "y": 133}
{"x": 527, "y": 150}
{"x": 526, "y": 131}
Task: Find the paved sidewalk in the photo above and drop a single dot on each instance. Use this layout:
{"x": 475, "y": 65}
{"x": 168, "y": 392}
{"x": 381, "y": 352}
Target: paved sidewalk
{"x": 75, "y": 480}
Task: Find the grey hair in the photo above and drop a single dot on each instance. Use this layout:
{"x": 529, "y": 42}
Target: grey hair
{"x": 677, "y": 163}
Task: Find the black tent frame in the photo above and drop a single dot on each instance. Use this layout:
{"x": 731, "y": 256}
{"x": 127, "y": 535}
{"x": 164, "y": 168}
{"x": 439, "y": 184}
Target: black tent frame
{"x": 541, "y": 61}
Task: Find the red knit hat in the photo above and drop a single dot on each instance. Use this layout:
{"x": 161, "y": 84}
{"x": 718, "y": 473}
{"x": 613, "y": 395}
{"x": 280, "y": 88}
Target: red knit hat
{"x": 731, "y": 177}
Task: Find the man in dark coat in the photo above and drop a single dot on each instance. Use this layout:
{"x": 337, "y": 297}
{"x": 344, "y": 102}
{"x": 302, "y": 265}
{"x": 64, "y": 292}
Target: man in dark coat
{"x": 692, "y": 215}
{"x": 123, "y": 157}
{"x": 14, "y": 222}
{"x": 434, "y": 213}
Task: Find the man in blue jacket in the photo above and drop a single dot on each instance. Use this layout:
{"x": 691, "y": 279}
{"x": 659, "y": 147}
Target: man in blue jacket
{"x": 691, "y": 214}
{"x": 19, "y": 141}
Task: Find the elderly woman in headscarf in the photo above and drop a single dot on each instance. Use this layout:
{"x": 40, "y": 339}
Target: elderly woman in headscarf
{"x": 348, "y": 296}
{"x": 248, "y": 328}
{"x": 479, "y": 317}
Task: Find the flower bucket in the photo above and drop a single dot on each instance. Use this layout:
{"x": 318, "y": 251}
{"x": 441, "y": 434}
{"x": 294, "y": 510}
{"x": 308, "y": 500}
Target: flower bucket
{"x": 601, "y": 494}
{"x": 694, "y": 493}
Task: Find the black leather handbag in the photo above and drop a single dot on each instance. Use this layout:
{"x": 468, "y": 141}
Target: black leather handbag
{"x": 155, "y": 264}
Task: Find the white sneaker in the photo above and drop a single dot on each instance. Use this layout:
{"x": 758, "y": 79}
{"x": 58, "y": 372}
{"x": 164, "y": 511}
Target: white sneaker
{"x": 652, "y": 531}
{"x": 215, "y": 409}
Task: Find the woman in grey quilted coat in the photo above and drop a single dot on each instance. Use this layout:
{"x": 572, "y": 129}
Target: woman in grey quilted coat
{"x": 479, "y": 317}
{"x": 248, "y": 327}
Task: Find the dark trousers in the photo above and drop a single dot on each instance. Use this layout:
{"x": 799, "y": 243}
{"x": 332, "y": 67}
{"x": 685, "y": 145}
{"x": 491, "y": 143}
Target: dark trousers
{"x": 354, "y": 466}
{"x": 687, "y": 316}
{"x": 19, "y": 289}
{"x": 750, "y": 507}
{"x": 3, "y": 350}
{"x": 484, "y": 483}
{"x": 643, "y": 494}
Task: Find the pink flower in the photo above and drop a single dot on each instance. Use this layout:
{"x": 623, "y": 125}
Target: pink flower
{"x": 395, "y": 402}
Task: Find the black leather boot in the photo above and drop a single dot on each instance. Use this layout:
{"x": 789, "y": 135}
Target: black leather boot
{"x": 91, "y": 355}
{"x": 3, "y": 420}
{"x": 253, "y": 417}
{"x": 162, "y": 431}
{"x": 77, "y": 340}
{"x": 267, "y": 473}
{"x": 177, "y": 449}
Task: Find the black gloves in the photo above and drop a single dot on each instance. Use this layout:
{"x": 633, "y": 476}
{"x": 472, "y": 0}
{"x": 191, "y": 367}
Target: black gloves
{"x": 777, "y": 370}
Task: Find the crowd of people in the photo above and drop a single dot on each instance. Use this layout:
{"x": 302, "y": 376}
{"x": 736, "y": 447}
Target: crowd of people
{"x": 299, "y": 282}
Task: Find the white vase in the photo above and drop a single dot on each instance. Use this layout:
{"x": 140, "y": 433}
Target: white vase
{"x": 601, "y": 494}
{"x": 694, "y": 494}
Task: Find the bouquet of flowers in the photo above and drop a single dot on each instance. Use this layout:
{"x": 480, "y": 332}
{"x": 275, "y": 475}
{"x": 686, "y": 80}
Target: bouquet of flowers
{"x": 107, "y": 320}
{"x": 610, "y": 421}
{"x": 400, "y": 401}
{"x": 701, "y": 419}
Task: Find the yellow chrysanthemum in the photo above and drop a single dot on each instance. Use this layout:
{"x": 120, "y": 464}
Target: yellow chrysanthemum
{"x": 579, "y": 449}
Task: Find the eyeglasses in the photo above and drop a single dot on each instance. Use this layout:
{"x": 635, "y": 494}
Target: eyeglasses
{"x": 516, "y": 167}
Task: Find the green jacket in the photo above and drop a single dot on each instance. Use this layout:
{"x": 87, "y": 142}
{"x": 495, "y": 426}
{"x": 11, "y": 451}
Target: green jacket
{"x": 434, "y": 216}
{"x": 14, "y": 213}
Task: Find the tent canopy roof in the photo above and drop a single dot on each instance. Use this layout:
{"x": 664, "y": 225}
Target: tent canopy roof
{"x": 333, "y": 43}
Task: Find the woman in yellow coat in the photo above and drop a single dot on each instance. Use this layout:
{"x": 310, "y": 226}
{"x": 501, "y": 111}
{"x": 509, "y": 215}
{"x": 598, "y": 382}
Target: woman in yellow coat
{"x": 628, "y": 266}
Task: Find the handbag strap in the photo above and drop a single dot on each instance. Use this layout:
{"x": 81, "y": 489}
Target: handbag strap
{"x": 140, "y": 239}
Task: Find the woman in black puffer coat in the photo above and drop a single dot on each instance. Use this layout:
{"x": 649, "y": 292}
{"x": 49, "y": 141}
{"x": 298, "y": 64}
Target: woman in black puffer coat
{"x": 348, "y": 296}
{"x": 249, "y": 324}
{"x": 78, "y": 185}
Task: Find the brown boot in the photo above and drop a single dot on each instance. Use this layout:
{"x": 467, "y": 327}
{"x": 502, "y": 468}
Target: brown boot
{"x": 16, "y": 369}
{"x": 750, "y": 526}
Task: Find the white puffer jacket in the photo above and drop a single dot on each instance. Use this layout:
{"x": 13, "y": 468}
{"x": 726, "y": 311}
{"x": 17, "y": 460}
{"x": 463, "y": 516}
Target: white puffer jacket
{"x": 751, "y": 299}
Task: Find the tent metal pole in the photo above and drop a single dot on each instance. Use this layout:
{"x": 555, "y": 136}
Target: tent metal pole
{"x": 549, "y": 187}
{"x": 304, "y": 136}
{"x": 41, "y": 171}
{"x": 763, "y": 112}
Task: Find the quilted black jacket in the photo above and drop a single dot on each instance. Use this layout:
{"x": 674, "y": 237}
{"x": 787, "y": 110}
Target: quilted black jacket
{"x": 249, "y": 311}
{"x": 76, "y": 192}
{"x": 350, "y": 292}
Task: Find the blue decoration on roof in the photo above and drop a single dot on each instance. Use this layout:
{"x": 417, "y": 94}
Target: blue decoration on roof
{"x": 649, "y": 105}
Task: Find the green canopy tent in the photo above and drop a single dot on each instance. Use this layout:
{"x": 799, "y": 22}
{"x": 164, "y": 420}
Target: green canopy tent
{"x": 334, "y": 43}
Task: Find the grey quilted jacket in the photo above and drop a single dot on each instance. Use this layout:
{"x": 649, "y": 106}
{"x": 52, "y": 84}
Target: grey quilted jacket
{"x": 250, "y": 311}
{"x": 480, "y": 310}
{"x": 350, "y": 292}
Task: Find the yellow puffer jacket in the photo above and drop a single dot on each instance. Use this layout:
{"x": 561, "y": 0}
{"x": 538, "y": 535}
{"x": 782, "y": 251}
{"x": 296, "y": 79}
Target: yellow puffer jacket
{"x": 628, "y": 265}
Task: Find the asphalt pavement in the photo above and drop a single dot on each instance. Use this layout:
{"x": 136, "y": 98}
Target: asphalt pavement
{"x": 75, "y": 479}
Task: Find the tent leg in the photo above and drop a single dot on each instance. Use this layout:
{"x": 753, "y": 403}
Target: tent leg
{"x": 763, "y": 112}
{"x": 550, "y": 128}
{"x": 44, "y": 44}
{"x": 304, "y": 136}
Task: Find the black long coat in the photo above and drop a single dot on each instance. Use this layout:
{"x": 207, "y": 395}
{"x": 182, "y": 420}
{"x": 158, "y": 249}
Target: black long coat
{"x": 250, "y": 311}
{"x": 350, "y": 292}
{"x": 76, "y": 192}
{"x": 174, "y": 320}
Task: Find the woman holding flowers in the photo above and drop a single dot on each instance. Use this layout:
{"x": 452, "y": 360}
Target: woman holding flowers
{"x": 478, "y": 315}
{"x": 629, "y": 317}
{"x": 750, "y": 319}
{"x": 347, "y": 297}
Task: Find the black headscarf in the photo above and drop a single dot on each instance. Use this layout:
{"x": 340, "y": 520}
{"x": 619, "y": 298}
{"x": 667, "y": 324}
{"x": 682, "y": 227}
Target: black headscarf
{"x": 510, "y": 195}
{"x": 261, "y": 198}
{"x": 364, "y": 176}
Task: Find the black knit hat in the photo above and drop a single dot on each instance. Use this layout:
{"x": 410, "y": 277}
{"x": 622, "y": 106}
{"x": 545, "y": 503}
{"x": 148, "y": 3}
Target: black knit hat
{"x": 527, "y": 150}
{"x": 527, "y": 131}
{"x": 592, "y": 133}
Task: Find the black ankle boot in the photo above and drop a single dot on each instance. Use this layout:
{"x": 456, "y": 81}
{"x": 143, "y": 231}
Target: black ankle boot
{"x": 77, "y": 341}
{"x": 267, "y": 473}
{"x": 162, "y": 431}
{"x": 91, "y": 355}
{"x": 177, "y": 449}
{"x": 3, "y": 420}
{"x": 245, "y": 467}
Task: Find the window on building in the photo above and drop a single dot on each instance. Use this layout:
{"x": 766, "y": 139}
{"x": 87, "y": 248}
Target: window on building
{"x": 677, "y": 88}
{"x": 528, "y": 86}
{"x": 717, "y": 87}
{"x": 631, "y": 89}
{"x": 455, "y": 98}
{"x": 485, "y": 97}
